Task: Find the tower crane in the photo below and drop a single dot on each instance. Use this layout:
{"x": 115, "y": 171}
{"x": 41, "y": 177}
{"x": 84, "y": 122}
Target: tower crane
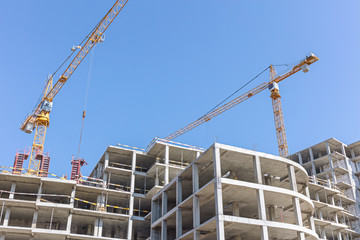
{"x": 38, "y": 119}
{"x": 273, "y": 86}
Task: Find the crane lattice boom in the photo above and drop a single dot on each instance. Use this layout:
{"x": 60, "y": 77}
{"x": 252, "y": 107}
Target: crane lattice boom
{"x": 279, "y": 121}
{"x": 39, "y": 118}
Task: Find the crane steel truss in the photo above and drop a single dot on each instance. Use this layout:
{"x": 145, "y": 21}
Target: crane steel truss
{"x": 278, "y": 117}
{"x": 39, "y": 118}
{"x": 279, "y": 121}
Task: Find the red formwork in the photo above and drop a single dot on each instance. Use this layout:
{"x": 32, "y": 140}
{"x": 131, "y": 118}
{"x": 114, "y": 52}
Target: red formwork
{"x": 76, "y": 165}
{"x": 20, "y": 157}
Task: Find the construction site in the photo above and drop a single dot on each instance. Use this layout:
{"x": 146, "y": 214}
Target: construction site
{"x": 171, "y": 190}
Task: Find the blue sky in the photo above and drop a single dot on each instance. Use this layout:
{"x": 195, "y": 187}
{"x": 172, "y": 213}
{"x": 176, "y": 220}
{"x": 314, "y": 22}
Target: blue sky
{"x": 165, "y": 63}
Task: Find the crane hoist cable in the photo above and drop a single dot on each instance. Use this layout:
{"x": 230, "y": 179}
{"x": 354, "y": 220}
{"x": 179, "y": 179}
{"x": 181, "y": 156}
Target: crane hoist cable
{"x": 86, "y": 97}
{"x": 272, "y": 85}
{"x": 39, "y": 118}
{"x": 251, "y": 80}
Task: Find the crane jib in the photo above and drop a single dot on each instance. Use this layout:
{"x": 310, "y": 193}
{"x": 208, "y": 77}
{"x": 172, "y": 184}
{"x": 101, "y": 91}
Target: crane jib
{"x": 91, "y": 41}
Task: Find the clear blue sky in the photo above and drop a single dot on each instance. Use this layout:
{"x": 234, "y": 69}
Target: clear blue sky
{"x": 165, "y": 63}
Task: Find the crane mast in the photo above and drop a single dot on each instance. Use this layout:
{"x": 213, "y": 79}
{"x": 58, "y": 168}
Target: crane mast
{"x": 278, "y": 115}
{"x": 39, "y": 118}
{"x": 272, "y": 85}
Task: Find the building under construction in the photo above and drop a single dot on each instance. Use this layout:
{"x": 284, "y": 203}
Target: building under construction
{"x": 177, "y": 191}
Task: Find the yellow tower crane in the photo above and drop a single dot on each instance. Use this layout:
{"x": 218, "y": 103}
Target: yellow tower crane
{"x": 273, "y": 86}
{"x": 39, "y": 118}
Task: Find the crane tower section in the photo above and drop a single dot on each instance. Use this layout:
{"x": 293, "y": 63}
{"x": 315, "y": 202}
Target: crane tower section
{"x": 278, "y": 115}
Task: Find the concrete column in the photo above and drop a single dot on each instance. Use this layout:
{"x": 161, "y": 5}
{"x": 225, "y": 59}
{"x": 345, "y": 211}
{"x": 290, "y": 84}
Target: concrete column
{"x": 296, "y": 201}
{"x": 157, "y": 182}
{"x": 196, "y": 235}
{"x": 178, "y": 222}
{"x": 262, "y": 213}
{"x": 321, "y": 215}
{"x": 2, "y": 236}
{"x": 106, "y": 164}
{"x": 72, "y": 196}
{"x": 132, "y": 189}
{"x": 322, "y": 233}
{"x": 12, "y": 190}
{"x": 35, "y": 217}
{"x": 195, "y": 174}
{"x": 257, "y": 168}
{"x": 311, "y": 222}
{"x": 313, "y": 169}
{"x": 332, "y": 200}
{"x": 178, "y": 190}
{"x": 38, "y": 197}
{"x": 155, "y": 210}
{"x": 164, "y": 230}
{"x": 307, "y": 191}
{"x": 7, "y": 217}
{"x": 336, "y": 218}
{"x": 105, "y": 179}
{"x": 196, "y": 211}
{"x": 298, "y": 218}
{"x": 261, "y": 204}
{"x": 300, "y": 159}
{"x": 219, "y": 210}
{"x": 106, "y": 159}
{"x": 271, "y": 212}
{"x": 96, "y": 227}
{"x": 339, "y": 237}
{"x": 235, "y": 209}
{"x": 155, "y": 235}
{"x": 292, "y": 178}
{"x": 164, "y": 203}
{"x": 347, "y": 164}
{"x": 166, "y": 159}
{"x": 100, "y": 227}
{"x": 101, "y": 203}
{"x": 264, "y": 233}
{"x": 69, "y": 222}
{"x": 328, "y": 150}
